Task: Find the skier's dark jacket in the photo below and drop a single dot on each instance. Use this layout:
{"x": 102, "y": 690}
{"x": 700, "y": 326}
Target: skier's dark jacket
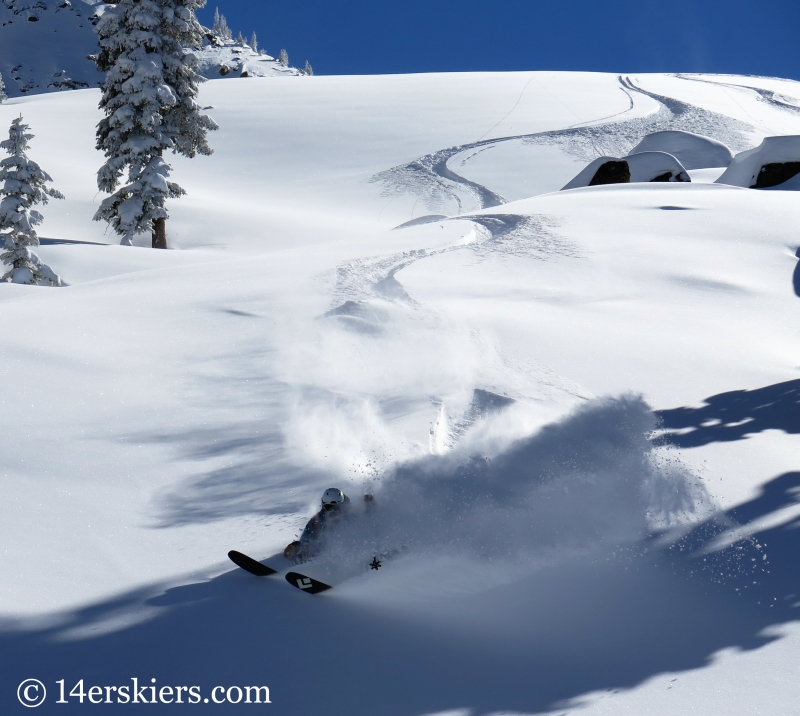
{"x": 319, "y": 523}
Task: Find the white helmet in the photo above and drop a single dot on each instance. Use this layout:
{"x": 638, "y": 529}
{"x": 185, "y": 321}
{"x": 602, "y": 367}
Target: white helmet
{"x": 332, "y": 498}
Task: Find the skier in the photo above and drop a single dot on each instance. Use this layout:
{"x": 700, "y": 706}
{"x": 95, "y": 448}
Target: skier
{"x": 336, "y": 508}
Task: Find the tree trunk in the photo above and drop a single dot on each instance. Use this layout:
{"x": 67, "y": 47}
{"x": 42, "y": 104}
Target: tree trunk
{"x": 160, "y": 227}
{"x": 160, "y": 233}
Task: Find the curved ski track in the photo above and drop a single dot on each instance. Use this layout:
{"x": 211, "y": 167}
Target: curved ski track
{"x": 430, "y": 179}
{"x": 775, "y": 99}
{"x": 507, "y": 234}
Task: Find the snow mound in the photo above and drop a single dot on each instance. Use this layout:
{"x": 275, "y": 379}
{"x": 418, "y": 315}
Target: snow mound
{"x": 224, "y": 59}
{"x": 774, "y": 162}
{"x": 693, "y": 151}
{"x": 655, "y": 166}
{"x": 642, "y": 167}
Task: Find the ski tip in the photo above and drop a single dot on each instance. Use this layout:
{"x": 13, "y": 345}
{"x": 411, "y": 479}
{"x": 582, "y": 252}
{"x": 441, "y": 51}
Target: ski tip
{"x": 306, "y": 584}
{"x": 250, "y": 565}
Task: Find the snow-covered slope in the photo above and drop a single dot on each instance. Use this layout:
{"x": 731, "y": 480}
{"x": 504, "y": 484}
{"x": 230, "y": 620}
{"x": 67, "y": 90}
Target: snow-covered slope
{"x": 49, "y": 46}
{"x": 377, "y": 285}
{"x": 45, "y": 45}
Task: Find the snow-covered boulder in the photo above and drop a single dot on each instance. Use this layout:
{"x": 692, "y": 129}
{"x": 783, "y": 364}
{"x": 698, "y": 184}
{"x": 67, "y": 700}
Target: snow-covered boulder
{"x": 655, "y": 166}
{"x": 603, "y": 170}
{"x": 693, "y": 151}
{"x": 635, "y": 168}
{"x": 773, "y": 163}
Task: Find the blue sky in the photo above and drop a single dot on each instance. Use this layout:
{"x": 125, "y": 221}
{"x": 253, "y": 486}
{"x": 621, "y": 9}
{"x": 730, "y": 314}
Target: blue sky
{"x": 384, "y": 36}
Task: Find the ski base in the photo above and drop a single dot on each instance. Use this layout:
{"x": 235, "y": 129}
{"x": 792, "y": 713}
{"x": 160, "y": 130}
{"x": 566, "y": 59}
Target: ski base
{"x": 306, "y": 584}
{"x": 250, "y": 565}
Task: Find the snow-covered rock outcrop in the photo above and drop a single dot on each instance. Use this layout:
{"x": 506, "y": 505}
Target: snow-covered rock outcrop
{"x": 773, "y": 163}
{"x": 655, "y": 166}
{"x": 221, "y": 58}
{"x": 693, "y": 151}
{"x": 48, "y": 45}
{"x": 635, "y": 168}
{"x": 603, "y": 170}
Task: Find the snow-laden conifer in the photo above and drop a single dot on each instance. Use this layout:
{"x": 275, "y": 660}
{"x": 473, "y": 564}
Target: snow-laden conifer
{"x": 149, "y": 101}
{"x": 283, "y": 58}
{"x": 23, "y": 184}
{"x": 3, "y": 87}
{"x": 254, "y": 43}
{"x": 308, "y": 70}
{"x": 220, "y": 27}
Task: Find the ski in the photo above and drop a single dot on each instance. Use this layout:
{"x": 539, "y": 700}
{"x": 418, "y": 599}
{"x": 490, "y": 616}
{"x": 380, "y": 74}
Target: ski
{"x": 306, "y": 584}
{"x": 250, "y": 565}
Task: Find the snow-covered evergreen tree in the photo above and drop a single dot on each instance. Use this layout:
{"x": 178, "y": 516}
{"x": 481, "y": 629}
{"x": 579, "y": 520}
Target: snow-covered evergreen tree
{"x": 283, "y": 58}
{"x": 240, "y": 39}
{"x": 3, "y": 87}
{"x": 23, "y": 184}
{"x": 254, "y": 43}
{"x": 220, "y": 28}
{"x": 308, "y": 70}
{"x": 149, "y": 101}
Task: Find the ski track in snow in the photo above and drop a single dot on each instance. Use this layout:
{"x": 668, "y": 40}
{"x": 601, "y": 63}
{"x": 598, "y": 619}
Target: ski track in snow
{"x": 774, "y": 99}
{"x": 357, "y": 282}
{"x": 499, "y": 234}
{"x": 430, "y": 179}
{"x": 360, "y": 286}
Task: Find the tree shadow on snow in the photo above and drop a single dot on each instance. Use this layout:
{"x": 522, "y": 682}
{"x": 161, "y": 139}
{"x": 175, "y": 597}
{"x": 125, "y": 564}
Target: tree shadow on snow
{"x": 243, "y": 465}
{"x": 734, "y": 416}
{"x": 545, "y": 640}
{"x": 796, "y": 275}
{"x": 256, "y": 477}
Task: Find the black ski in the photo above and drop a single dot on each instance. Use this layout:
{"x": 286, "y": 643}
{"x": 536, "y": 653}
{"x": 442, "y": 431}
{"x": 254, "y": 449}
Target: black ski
{"x": 306, "y": 584}
{"x": 250, "y": 565}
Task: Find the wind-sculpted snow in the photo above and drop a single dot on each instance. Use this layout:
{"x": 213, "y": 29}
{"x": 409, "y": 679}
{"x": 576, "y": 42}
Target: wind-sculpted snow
{"x": 591, "y": 478}
{"x": 431, "y": 180}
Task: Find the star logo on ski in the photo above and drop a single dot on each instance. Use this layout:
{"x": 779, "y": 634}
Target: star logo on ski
{"x": 375, "y": 563}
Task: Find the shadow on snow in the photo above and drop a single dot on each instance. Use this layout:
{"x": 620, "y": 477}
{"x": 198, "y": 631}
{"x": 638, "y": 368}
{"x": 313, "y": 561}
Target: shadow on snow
{"x": 545, "y": 640}
{"x": 796, "y": 275}
{"x": 734, "y": 415}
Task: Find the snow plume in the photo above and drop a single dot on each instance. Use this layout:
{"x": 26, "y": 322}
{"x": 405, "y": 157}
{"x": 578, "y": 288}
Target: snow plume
{"x": 149, "y": 101}
{"x": 589, "y": 479}
{"x": 23, "y": 184}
